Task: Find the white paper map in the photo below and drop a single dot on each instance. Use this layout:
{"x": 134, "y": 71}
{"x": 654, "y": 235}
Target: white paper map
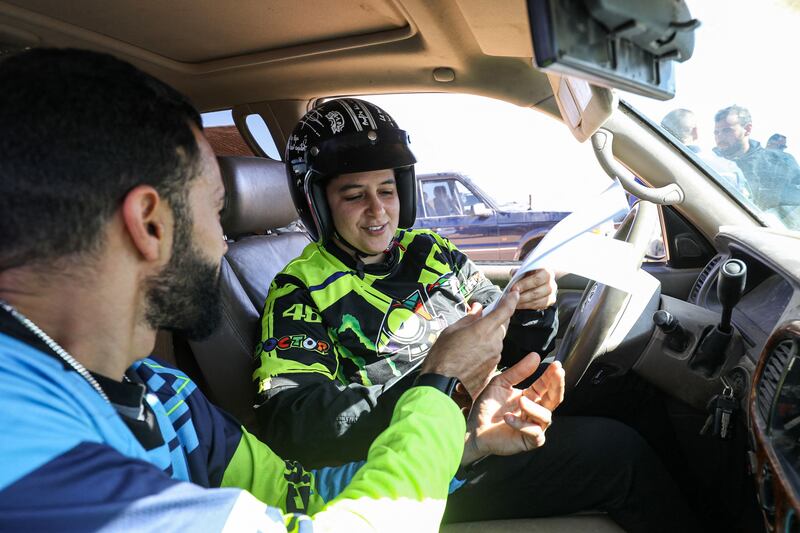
{"x": 572, "y": 247}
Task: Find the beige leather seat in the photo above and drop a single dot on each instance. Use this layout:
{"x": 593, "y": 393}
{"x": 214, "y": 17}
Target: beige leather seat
{"x": 257, "y": 200}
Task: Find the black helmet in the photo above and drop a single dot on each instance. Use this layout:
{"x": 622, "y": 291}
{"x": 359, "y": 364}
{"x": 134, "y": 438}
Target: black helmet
{"x": 340, "y": 137}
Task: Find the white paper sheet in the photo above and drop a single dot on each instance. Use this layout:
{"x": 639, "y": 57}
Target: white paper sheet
{"x": 572, "y": 247}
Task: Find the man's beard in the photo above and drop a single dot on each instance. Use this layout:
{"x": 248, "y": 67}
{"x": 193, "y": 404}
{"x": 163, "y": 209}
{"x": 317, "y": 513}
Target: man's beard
{"x": 733, "y": 150}
{"x": 185, "y": 295}
{"x": 730, "y": 151}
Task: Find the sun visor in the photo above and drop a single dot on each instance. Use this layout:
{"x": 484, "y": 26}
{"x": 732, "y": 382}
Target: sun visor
{"x": 619, "y": 44}
{"x": 584, "y": 107}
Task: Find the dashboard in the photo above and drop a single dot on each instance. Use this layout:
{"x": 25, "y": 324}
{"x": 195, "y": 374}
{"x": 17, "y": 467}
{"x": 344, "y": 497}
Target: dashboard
{"x": 690, "y": 355}
{"x": 764, "y": 369}
{"x": 770, "y": 299}
{"x": 766, "y": 297}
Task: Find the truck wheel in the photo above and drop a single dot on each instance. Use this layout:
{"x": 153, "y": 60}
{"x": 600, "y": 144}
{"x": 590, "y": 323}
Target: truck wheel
{"x": 528, "y": 248}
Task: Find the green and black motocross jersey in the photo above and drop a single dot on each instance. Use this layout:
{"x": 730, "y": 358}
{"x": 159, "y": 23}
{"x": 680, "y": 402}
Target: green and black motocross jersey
{"x": 336, "y": 337}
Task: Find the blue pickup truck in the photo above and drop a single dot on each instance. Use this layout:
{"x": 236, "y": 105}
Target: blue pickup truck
{"x": 456, "y": 208}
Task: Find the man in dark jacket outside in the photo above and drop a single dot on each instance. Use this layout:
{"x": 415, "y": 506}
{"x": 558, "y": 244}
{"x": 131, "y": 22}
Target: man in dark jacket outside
{"x": 773, "y": 177}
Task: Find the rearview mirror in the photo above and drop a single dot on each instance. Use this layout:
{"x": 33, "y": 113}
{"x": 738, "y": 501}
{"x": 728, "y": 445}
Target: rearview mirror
{"x": 623, "y": 44}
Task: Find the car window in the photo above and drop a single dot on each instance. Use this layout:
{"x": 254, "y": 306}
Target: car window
{"x": 225, "y": 139}
{"x": 420, "y": 205}
{"x": 223, "y": 135}
{"x": 468, "y": 200}
{"x": 734, "y": 109}
{"x": 258, "y": 129}
{"x": 513, "y": 171}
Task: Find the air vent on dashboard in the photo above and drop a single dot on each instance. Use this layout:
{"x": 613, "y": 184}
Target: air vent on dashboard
{"x": 776, "y": 363}
{"x": 698, "y": 284}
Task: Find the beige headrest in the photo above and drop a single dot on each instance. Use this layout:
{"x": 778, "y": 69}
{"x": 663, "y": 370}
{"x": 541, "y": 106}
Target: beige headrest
{"x": 257, "y": 196}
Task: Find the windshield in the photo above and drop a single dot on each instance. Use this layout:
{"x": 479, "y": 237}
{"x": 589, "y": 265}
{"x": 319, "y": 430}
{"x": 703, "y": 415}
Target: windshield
{"x": 734, "y": 108}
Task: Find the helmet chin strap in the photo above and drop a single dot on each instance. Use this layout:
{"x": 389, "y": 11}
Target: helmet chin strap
{"x": 360, "y": 255}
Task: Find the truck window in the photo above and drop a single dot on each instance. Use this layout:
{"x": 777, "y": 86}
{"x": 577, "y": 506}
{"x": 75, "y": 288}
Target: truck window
{"x": 439, "y": 198}
{"x": 420, "y": 204}
{"x": 468, "y": 200}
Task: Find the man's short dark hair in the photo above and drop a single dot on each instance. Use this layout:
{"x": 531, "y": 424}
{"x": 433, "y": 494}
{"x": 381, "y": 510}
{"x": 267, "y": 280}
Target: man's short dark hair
{"x": 777, "y": 139}
{"x": 680, "y": 123}
{"x": 741, "y": 113}
{"x": 78, "y": 131}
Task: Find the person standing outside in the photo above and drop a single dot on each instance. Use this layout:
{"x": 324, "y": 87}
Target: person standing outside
{"x": 682, "y": 124}
{"x": 773, "y": 177}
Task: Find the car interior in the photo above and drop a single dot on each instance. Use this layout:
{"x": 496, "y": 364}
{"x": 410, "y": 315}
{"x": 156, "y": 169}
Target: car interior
{"x": 722, "y": 324}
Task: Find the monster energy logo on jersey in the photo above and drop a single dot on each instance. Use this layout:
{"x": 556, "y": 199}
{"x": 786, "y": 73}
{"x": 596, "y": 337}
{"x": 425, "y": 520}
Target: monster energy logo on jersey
{"x": 411, "y": 325}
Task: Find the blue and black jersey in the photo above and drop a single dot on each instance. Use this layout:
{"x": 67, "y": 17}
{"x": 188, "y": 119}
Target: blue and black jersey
{"x": 159, "y": 456}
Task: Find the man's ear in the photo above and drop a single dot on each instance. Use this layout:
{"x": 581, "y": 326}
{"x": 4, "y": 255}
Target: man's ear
{"x": 144, "y": 214}
{"x": 748, "y": 128}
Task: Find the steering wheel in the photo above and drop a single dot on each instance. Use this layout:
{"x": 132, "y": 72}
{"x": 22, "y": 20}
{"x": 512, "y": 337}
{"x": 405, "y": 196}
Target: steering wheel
{"x": 602, "y": 308}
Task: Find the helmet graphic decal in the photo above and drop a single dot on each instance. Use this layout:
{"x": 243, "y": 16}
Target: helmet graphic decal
{"x": 296, "y": 144}
{"x": 359, "y": 113}
{"x": 337, "y": 121}
{"x": 310, "y": 119}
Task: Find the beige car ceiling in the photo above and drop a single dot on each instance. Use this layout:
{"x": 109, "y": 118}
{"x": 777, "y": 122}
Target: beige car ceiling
{"x": 227, "y": 53}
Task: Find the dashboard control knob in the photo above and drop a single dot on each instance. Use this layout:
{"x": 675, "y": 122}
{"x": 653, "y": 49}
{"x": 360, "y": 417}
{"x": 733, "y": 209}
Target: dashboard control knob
{"x": 664, "y": 320}
{"x": 731, "y": 281}
{"x": 677, "y": 338}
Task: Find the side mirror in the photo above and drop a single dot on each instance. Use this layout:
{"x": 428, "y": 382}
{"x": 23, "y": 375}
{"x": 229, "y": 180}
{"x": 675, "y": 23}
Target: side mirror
{"x": 480, "y": 210}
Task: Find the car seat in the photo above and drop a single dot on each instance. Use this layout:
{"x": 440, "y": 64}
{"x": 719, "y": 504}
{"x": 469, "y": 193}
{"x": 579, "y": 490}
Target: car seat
{"x": 257, "y": 206}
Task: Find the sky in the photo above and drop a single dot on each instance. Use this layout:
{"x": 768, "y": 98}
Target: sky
{"x": 745, "y": 53}
{"x": 509, "y": 151}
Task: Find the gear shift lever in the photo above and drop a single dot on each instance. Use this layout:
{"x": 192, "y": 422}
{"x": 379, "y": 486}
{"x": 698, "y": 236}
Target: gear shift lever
{"x": 730, "y": 286}
{"x": 710, "y": 355}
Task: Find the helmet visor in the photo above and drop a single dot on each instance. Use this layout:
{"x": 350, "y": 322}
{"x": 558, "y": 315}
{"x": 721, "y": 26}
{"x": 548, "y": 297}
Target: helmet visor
{"x": 361, "y": 152}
